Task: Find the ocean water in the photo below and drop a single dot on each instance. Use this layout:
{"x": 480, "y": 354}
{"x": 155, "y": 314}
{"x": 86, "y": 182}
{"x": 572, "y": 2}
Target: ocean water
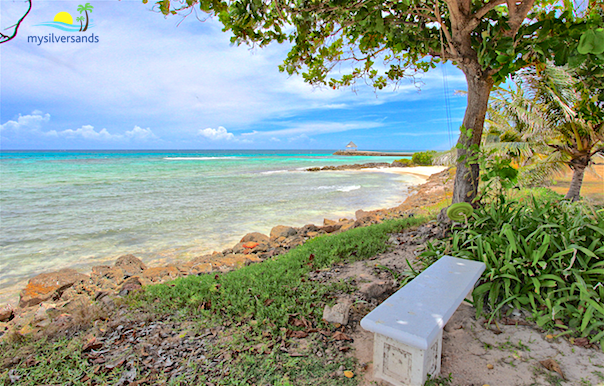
{"x": 80, "y": 209}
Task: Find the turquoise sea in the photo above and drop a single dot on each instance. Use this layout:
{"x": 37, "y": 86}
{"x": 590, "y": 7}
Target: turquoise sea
{"x": 83, "y": 208}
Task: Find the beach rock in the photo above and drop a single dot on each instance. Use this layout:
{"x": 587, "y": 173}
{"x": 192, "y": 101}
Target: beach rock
{"x": 376, "y": 289}
{"x": 365, "y": 217}
{"x": 41, "y": 317}
{"x": 49, "y": 286}
{"x": 327, "y": 221}
{"x": 255, "y": 237}
{"x": 338, "y": 313}
{"x": 293, "y": 241}
{"x": 130, "y": 265}
{"x": 7, "y": 312}
{"x": 131, "y": 284}
{"x": 160, "y": 274}
{"x": 346, "y": 225}
{"x": 308, "y": 228}
{"x": 331, "y": 228}
{"x": 282, "y": 231}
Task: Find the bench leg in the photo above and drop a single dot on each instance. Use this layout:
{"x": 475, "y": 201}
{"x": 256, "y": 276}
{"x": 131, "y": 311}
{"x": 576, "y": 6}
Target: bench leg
{"x": 404, "y": 365}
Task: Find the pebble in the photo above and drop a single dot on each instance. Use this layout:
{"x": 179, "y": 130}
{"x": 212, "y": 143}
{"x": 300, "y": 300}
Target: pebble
{"x": 490, "y": 366}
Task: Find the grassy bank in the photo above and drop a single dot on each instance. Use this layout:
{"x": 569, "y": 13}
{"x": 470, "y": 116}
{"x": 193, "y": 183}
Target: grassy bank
{"x": 259, "y": 310}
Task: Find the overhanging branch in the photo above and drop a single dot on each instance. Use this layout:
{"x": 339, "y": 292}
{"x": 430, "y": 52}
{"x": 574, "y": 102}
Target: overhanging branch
{"x": 5, "y": 38}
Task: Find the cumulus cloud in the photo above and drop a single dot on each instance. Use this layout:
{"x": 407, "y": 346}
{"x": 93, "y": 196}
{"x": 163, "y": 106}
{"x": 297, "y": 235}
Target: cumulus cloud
{"x": 30, "y": 122}
{"x": 217, "y": 134}
{"x": 139, "y": 133}
{"x": 88, "y": 132}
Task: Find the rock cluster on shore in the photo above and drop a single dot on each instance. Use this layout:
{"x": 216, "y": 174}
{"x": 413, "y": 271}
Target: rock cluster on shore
{"x": 56, "y": 298}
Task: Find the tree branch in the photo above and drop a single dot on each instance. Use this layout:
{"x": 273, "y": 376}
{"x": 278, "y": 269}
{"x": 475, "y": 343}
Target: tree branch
{"x": 475, "y": 20}
{"x": 517, "y": 15}
{"x": 5, "y": 38}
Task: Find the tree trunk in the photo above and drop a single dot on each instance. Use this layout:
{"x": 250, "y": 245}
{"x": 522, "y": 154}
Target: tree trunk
{"x": 86, "y": 26}
{"x": 479, "y": 89}
{"x": 578, "y": 165}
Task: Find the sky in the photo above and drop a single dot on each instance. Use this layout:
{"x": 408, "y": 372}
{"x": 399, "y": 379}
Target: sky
{"x": 151, "y": 82}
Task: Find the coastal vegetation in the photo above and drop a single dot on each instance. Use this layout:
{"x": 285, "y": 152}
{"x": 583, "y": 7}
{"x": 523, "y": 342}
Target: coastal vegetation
{"x": 420, "y": 158}
{"x": 549, "y": 119}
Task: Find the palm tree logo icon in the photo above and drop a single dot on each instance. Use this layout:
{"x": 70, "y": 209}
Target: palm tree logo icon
{"x": 80, "y": 19}
{"x": 64, "y": 20}
{"x": 84, "y": 8}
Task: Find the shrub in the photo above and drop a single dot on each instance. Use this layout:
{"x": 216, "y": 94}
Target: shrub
{"x": 403, "y": 162}
{"x": 423, "y": 157}
{"x": 541, "y": 255}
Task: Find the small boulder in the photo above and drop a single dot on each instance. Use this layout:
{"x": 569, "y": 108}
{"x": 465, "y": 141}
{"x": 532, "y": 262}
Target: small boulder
{"x": 255, "y": 237}
{"x": 130, "y": 265}
{"x": 160, "y": 274}
{"x": 331, "y": 228}
{"x": 282, "y": 231}
{"x": 49, "y": 286}
{"x": 338, "y": 313}
{"x": 6, "y": 313}
{"x": 130, "y": 285}
{"x": 329, "y": 222}
{"x": 366, "y": 217}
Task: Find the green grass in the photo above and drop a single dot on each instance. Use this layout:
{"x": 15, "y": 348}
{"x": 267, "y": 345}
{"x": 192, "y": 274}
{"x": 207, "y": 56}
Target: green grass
{"x": 254, "y": 304}
{"x": 270, "y": 291}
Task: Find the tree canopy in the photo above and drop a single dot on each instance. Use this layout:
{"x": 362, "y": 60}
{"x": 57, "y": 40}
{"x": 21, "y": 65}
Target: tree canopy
{"x": 386, "y": 40}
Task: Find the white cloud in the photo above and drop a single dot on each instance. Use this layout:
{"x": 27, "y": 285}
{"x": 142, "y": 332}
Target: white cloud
{"x": 217, "y": 134}
{"x": 30, "y": 122}
{"x": 88, "y": 132}
{"x": 139, "y": 133}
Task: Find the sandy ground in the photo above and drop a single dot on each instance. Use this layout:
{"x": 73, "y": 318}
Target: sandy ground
{"x": 593, "y": 181}
{"x": 423, "y": 171}
{"x": 474, "y": 354}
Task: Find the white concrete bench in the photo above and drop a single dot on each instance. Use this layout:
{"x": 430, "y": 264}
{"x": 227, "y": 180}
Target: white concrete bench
{"x": 408, "y": 326}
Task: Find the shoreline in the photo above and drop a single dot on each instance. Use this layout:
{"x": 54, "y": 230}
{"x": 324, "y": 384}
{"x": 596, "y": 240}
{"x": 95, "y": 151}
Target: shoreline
{"x": 373, "y": 153}
{"x": 128, "y": 273}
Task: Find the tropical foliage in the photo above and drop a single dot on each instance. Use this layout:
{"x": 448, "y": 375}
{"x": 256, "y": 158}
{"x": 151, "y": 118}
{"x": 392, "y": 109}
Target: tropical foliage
{"x": 542, "y": 255}
{"x": 547, "y": 119}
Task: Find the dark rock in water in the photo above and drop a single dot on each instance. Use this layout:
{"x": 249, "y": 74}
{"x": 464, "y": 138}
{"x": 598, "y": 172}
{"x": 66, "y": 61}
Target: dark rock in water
{"x": 49, "y": 286}
{"x": 370, "y": 165}
{"x": 130, "y": 265}
{"x": 255, "y": 237}
{"x": 282, "y": 231}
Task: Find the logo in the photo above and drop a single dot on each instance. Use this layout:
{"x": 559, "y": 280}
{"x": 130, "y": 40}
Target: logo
{"x": 64, "y": 21}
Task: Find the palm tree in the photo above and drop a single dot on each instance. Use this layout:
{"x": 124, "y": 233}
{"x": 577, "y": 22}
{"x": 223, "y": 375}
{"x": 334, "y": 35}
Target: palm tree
{"x": 85, "y": 8}
{"x": 80, "y": 19}
{"x": 553, "y": 115}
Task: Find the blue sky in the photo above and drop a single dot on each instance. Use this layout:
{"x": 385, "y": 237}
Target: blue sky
{"x": 152, "y": 83}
